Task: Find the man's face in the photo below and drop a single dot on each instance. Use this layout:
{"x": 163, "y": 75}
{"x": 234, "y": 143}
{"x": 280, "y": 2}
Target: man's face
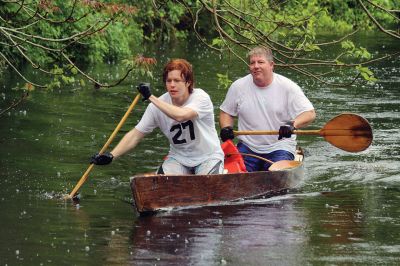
{"x": 261, "y": 69}
{"x": 177, "y": 87}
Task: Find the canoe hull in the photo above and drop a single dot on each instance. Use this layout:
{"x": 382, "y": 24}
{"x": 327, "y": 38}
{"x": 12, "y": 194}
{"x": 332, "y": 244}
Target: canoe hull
{"x": 154, "y": 192}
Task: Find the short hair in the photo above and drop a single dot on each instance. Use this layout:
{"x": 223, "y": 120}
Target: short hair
{"x": 186, "y": 71}
{"x": 260, "y": 50}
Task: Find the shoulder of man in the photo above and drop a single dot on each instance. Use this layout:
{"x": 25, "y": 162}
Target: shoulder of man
{"x": 245, "y": 79}
{"x": 241, "y": 82}
{"x": 200, "y": 92}
{"x": 287, "y": 82}
{"x": 165, "y": 97}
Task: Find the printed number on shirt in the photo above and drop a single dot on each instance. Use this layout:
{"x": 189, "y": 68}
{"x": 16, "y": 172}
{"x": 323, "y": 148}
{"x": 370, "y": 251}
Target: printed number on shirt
{"x": 178, "y": 128}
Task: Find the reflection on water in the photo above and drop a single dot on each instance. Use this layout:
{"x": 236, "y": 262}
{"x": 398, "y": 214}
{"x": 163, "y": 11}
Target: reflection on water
{"x": 218, "y": 235}
{"x": 346, "y": 212}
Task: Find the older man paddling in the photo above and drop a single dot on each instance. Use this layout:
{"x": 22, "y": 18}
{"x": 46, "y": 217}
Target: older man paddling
{"x": 264, "y": 100}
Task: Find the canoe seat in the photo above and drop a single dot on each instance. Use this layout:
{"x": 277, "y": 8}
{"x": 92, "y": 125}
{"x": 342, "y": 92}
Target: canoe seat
{"x": 233, "y": 162}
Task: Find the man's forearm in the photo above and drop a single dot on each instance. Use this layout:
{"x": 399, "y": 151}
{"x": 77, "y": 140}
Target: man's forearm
{"x": 304, "y": 119}
{"x": 128, "y": 142}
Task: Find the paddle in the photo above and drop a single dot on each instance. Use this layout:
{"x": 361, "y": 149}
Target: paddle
{"x": 347, "y": 131}
{"x": 110, "y": 139}
{"x": 275, "y": 166}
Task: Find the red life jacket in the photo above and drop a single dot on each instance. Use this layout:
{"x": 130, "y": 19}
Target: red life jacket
{"x": 234, "y": 162}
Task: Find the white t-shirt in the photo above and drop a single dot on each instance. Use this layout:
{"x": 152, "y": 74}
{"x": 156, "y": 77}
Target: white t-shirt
{"x": 265, "y": 108}
{"x": 193, "y": 141}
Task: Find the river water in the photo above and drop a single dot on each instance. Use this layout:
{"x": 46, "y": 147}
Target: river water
{"x": 345, "y": 212}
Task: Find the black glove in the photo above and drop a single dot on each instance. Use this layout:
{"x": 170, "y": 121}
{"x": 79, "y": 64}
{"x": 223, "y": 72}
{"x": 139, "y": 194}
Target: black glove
{"x": 226, "y": 133}
{"x": 102, "y": 159}
{"x": 286, "y": 131}
{"x": 144, "y": 89}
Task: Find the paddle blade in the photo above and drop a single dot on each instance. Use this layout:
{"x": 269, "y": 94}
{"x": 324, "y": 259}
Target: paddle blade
{"x": 349, "y": 132}
{"x": 283, "y": 165}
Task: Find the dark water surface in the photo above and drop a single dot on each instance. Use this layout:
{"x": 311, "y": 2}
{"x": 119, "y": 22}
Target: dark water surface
{"x": 345, "y": 213}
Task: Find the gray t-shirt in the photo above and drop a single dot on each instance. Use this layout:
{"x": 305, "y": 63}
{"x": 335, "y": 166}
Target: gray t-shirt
{"x": 265, "y": 108}
{"x": 193, "y": 141}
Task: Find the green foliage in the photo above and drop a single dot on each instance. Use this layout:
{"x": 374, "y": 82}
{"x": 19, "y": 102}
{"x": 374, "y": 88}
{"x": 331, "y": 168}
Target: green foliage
{"x": 355, "y": 52}
{"x": 348, "y": 45}
{"x": 120, "y": 27}
{"x": 2, "y": 67}
{"x": 223, "y": 80}
{"x": 217, "y": 42}
{"x": 290, "y": 20}
{"x": 167, "y": 22}
{"x": 366, "y": 73}
{"x": 59, "y": 22}
{"x": 336, "y": 16}
{"x": 63, "y": 76}
{"x": 311, "y": 47}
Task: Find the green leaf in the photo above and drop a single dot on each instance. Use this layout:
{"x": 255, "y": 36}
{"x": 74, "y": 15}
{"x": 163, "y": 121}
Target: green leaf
{"x": 339, "y": 62}
{"x": 74, "y": 70}
{"x": 223, "y": 80}
{"x": 348, "y": 45}
{"x": 362, "y": 53}
{"x": 366, "y": 73}
{"x": 217, "y": 42}
{"x": 312, "y": 47}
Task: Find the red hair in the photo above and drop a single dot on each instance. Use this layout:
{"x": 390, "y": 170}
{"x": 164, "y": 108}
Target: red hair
{"x": 186, "y": 71}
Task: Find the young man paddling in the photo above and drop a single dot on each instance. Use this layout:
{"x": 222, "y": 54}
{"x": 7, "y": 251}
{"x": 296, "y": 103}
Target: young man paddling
{"x": 264, "y": 100}
{"x": 186, "y": 117}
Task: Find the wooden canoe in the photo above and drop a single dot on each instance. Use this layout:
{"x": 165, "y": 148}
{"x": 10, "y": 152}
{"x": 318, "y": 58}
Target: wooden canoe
{"x": 152, "y": 192}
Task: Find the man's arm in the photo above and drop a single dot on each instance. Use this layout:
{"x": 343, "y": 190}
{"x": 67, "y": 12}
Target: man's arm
{"x": 304, "y": 119}
{"x": 128, "y": 142}
{"x": 226, "y": 123}
{"x": 177, "y": 113}
{"x": 225, "y": 119}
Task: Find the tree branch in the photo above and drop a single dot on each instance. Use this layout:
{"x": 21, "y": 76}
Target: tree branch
{"x": 15, "y": 103}
{"x": 380, "y": 27}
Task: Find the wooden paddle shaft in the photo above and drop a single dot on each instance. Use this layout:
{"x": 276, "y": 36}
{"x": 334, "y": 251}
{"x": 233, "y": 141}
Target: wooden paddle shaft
{"x": 250, "y": 155}
{"x": 320, "y": 132}
{"x": 110, "y": 139}
{"x": 274, "y": 132}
